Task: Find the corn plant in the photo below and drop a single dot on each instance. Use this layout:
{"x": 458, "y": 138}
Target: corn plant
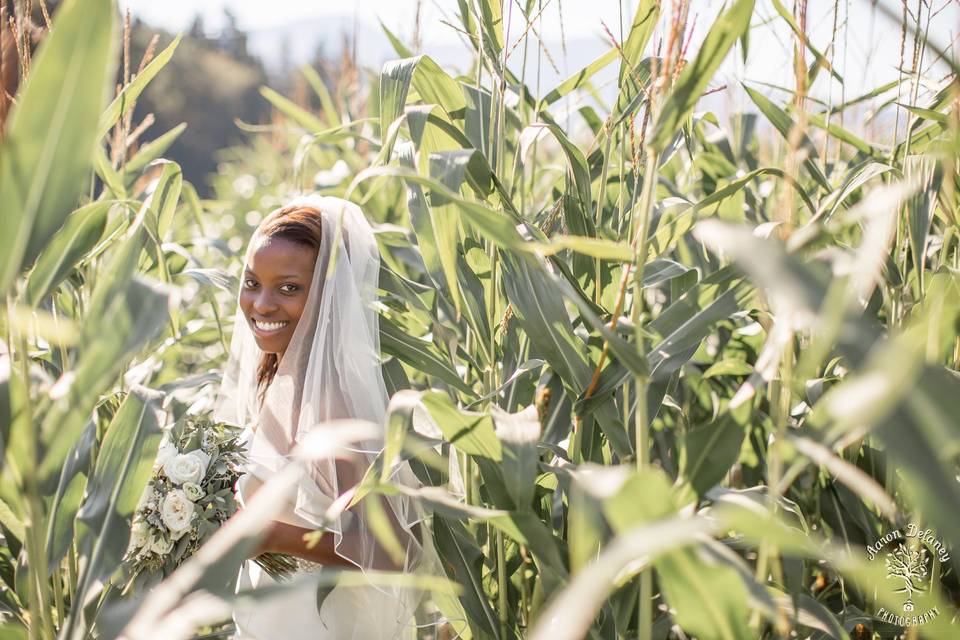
{"x": 90, "y": 317}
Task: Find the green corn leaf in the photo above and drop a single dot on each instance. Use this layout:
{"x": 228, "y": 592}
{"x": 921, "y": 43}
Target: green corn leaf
{"x": 419, "y": 354}
{"x": 124, "y": 463}
{"x": 83, "y": 230}
{"x": 726, "y": 30}
{"x": 395, "y": 42}
{"x": 51, "y": 132}
{"x": 330, "y": 113}
{"x": 464, "y": 560}
{"x": 69, "y": 496}
{"x": 128, "y": 96}
{"x": 644, "y": 22}
{"x": 150, "y": 152}
{"x": 579, "y": 78}
{"x": 819, "y": 57}
{"x": 785, "y": 124}
{"x": 292, "y": 110}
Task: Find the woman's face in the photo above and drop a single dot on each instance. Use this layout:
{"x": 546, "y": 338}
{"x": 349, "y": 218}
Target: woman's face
{"x": 274, "y": 290}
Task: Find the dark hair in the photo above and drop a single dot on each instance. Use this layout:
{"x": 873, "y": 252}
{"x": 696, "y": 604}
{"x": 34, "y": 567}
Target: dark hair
{"x": 300, "y": 224}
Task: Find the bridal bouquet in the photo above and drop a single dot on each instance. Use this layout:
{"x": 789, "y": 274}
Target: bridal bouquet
{"x": 189, "y": 496}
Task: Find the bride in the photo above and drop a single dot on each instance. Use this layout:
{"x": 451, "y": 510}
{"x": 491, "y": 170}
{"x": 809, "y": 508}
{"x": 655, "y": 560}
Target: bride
{"x": 305, "y": 351}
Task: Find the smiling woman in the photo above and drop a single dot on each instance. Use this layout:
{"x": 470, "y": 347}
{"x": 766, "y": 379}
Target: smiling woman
{"x": 276, "y": 280}
{"x": 307, "y": 322}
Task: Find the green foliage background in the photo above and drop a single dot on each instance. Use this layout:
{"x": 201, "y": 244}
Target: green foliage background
{"x": 685, "y": 375}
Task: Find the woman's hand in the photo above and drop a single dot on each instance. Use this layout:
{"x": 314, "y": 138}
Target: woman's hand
{"x": 289, "y": 539}
{"x": 282, "y": 537}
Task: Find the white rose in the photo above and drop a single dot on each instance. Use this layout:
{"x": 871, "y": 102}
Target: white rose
{"x": 161, "y": 547}
{"x": 187, "y": 467}
{"x": 167, "y": 451}
{"x": 203, "y": 457}
{"x": 138, "y": 534}
{"x": 193, "y": 491}
{"x": 177, "y": 512}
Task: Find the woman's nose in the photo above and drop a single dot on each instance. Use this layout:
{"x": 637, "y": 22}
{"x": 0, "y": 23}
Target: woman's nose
{"x": 263, "y": 303}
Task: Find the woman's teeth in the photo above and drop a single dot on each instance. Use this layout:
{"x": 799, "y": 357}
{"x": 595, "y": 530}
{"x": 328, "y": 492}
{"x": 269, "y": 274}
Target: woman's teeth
{"x": 269, "y": 326}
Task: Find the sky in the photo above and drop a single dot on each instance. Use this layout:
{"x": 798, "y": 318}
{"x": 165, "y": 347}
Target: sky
{"x": 579, "y": 17}
{"x": 295, "y": 28}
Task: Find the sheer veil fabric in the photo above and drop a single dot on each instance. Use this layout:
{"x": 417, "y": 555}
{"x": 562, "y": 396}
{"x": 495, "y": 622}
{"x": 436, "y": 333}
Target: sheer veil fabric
{"x": 330, "y": 370}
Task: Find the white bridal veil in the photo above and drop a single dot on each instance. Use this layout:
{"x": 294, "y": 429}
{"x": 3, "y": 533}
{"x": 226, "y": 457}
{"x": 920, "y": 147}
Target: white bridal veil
{"x": 330, "y": 370}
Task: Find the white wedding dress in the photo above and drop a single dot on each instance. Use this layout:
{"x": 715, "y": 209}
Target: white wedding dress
{"x": 330, "y": 371}
{"x": 347, "y": 613}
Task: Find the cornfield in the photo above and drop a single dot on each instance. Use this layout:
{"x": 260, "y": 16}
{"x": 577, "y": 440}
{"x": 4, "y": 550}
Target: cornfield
{"x": 688, "y": 371}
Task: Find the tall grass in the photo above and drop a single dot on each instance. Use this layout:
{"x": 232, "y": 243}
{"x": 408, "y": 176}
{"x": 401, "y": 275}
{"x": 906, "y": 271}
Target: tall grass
{"x": 680, "y": 383}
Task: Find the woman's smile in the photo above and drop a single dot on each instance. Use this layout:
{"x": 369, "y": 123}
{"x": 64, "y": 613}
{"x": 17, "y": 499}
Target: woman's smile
{"x": 268, "y": 328}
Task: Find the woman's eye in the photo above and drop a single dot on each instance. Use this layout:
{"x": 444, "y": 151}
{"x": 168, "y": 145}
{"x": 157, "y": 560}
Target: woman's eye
{"x": 293, "y": 287}
{"x": 249, "y": 283}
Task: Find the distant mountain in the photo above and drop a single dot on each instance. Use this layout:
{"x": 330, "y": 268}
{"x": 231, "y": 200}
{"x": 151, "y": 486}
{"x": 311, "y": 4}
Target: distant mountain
{"x": 297, "y": 43}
